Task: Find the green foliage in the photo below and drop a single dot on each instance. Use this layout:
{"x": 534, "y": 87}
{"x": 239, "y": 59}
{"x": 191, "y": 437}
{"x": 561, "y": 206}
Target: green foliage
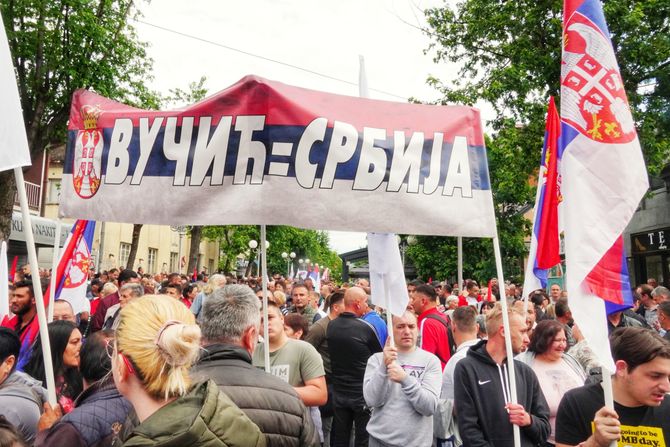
{"x": 509, "y": 54}
{"x": 306, "y": 244}
{"x": 179, "y": 97}
{"x": 58, "y": 47}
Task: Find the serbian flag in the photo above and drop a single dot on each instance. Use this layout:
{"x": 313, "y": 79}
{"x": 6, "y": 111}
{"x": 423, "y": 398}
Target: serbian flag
{"x": 315, "y": 276}
{"x": 73, "y": 267}
{"x": 544, "y": 244}
{"x": 603, "y": 172}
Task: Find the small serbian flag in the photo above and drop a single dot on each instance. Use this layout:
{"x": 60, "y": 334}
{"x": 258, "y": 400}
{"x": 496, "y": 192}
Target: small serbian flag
{"x": 545, "y": 244}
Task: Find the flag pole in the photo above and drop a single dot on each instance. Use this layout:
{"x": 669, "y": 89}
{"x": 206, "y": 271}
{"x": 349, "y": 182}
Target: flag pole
{"x": 459, "y": 244}
{"x": 37, "y": 288}
{"x": 389, "y": 315}
{"x": 609, "y": 393}
{"x": 54, "y": 266}
{"x": 264, "y": 281}
{"x": 508, "y": 335}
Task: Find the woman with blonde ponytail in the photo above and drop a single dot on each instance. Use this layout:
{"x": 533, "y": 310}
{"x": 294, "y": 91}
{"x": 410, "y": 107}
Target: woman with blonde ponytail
{"x": 157, "y": 341}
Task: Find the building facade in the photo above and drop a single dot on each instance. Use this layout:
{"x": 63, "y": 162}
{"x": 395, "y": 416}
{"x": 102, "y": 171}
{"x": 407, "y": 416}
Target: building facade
{"x": 161, "y": 248}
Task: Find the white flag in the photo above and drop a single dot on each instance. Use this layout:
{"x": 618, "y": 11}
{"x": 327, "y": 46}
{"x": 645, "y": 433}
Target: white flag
{"x": 13, "y": 142}
{"x": 386, "y": 270}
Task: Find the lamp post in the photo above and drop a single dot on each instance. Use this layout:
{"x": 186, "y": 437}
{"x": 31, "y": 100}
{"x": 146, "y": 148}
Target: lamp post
{"x": 292, "y": 256}
{"x": 284, "y": 256}
{"x": 252, "y": 245}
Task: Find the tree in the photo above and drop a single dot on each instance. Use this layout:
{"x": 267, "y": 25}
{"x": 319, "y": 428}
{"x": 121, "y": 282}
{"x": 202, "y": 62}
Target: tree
{"x": 58, "y": 47}
{"x": 509, "y": 55}
{"x": 137, "y": 230}
{"x": 234, "y": 239}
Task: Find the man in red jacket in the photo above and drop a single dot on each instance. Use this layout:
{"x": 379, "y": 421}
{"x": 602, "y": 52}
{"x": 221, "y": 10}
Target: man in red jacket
{"x": 433, "y": 325}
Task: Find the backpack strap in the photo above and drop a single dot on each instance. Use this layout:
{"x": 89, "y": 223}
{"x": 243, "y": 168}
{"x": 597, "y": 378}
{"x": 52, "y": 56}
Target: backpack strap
{"x": 450, "y": 336}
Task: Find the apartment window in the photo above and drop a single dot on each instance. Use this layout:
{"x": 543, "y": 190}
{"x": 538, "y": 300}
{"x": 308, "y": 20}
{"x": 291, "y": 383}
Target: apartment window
{"x": 151, "y": 260}
{"x": 174, "y": 259}
{"x": 124, "y": 253}
{"x": 210, "y": 267}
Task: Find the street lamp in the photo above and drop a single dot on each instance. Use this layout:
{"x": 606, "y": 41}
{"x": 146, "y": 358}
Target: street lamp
{"x": 284, "y": 256}
{"x": 253, "y": 245}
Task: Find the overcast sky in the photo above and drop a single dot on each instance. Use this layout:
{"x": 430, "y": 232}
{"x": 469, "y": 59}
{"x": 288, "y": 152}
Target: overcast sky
{"x": 226, "y": 40}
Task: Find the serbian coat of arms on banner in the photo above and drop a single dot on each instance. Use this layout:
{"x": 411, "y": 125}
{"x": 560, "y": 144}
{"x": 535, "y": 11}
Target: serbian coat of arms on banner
{"x": 88, "y": 154}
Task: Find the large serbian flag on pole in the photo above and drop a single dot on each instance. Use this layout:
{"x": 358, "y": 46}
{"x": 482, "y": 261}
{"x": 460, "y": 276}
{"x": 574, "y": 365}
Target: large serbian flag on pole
{"x": 544, "y": 244}
{"x": 603, "y": 173}
{"x": 74, "y": 264}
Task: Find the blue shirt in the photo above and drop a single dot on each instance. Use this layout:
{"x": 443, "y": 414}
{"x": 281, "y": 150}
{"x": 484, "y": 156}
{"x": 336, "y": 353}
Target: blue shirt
{"x": 376, "y": 321}
{"x": 196, "y": 306}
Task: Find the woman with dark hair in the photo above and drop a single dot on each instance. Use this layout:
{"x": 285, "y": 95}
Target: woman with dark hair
{"x": 99, "y": 411}
{"x": 556, "y": 370}
{"x": 188, "y": 294}
{"x": 65, "y": 340}
{"x": 486, "y": 307}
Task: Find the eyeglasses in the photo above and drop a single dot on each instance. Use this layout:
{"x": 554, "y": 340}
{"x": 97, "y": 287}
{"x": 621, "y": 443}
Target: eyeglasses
{"x": 560, "y": 341}
{"x": 111, "y": 348}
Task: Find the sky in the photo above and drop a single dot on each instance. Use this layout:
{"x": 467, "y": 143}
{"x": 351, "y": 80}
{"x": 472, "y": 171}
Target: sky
{"x": 308, "y": 43}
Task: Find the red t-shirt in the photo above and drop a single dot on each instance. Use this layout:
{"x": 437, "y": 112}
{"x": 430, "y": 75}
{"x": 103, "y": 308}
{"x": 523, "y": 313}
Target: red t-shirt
{"x": 434, "y": 338}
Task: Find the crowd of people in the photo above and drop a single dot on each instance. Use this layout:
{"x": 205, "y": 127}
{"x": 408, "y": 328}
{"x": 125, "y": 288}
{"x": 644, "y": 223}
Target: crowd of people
{"x": 170, "y": 360}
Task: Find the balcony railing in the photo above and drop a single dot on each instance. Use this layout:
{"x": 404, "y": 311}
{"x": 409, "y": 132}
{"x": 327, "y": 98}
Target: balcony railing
{"x": 34, "y": 192}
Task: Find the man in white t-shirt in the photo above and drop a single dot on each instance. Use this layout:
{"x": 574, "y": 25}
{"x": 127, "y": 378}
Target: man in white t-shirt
{"x": 464, "y": 328}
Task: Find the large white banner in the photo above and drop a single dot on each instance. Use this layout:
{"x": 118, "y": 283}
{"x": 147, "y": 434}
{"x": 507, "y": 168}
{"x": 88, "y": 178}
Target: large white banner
{"x": 262, "y": 152}
{"x": 13, "y": 141}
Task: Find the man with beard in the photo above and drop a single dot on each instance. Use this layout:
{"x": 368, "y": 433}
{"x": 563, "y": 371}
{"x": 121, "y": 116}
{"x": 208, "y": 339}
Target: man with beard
{"x": 22, "y": 305}
{"x": 485, "y": 413}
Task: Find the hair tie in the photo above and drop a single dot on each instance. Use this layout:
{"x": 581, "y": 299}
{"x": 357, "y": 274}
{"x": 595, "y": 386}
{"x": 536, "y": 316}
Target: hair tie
{"x": 167, "y": 324}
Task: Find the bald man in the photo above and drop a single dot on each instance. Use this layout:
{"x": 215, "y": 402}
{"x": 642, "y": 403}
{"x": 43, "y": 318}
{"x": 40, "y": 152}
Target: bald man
{"x": 351, "y": 341}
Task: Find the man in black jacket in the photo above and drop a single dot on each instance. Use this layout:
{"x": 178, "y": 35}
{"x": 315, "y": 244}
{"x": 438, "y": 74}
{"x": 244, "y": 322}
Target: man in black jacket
{"x": 482, "y": 393}
{"x": 230, "y": 322}
{"x": 351, "y": 341}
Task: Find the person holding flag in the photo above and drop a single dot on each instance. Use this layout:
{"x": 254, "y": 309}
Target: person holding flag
{"x": 641, "y": 413}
